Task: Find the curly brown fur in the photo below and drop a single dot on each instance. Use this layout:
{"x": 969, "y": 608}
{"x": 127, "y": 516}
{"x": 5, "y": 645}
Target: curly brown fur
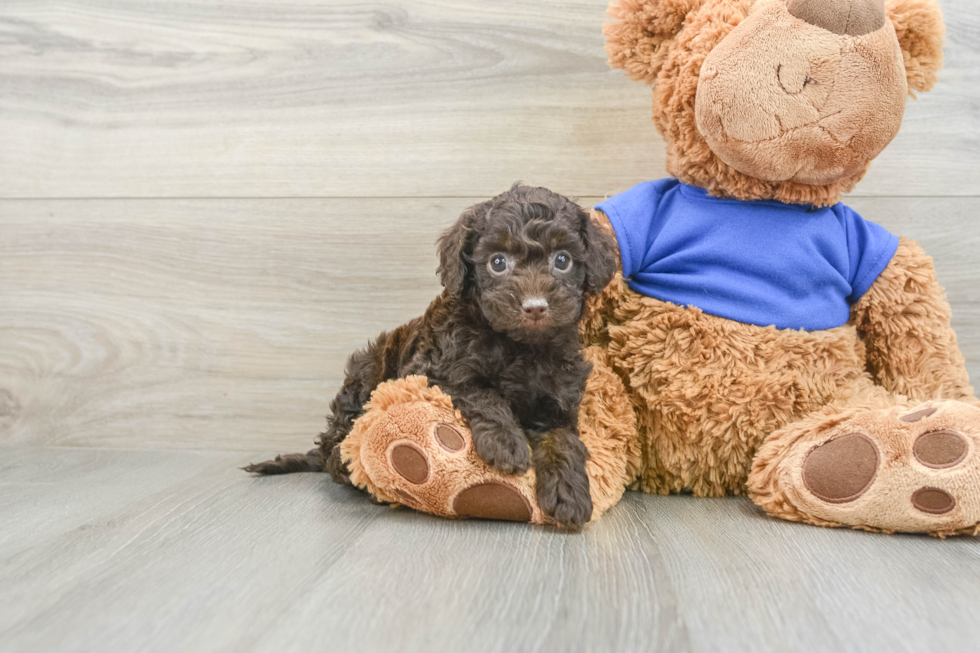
{"x": 562, "y": 482}
{"x": 502, "y": 340}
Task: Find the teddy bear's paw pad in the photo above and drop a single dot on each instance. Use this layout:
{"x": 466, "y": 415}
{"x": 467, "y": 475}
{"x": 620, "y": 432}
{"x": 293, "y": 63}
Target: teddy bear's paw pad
{"x": 449, "y": 438}
{"x": 940, "y": 449}
{"x": 932, "y": 500}
{"x": 899, "y": 469}
{"x": 917, "y": 415}
{"x": 493, "y": 500}
{"x": 841, "y": 470}
{"x": 415, "y": 461}
{"x": 409, "y": 462}
{"x": 420, "y": 459}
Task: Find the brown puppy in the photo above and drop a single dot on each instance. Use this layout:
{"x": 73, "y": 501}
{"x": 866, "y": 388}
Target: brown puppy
{"x": 502, "y": 340}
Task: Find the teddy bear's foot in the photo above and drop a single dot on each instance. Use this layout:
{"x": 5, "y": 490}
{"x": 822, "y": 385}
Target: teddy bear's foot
{"x": 909, "y": 469}
{"x": 411, "y": 447}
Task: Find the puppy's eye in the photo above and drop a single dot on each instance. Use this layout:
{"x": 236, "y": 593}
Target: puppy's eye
{"x": 498, "y": 264}
{"x": 562, "y": 261}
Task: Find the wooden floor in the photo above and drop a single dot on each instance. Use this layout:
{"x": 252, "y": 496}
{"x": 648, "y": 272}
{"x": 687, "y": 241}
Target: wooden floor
{"x": 204, "y": 206}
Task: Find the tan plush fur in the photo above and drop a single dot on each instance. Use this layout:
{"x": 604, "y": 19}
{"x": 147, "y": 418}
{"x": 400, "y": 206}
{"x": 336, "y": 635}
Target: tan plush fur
{"x": 905, "y": 320}
{"x": 776, "y": 483}
{"x": 683, "y": 401}
{"x": 669, "y": 54}
{"x": 607, "y": 426}
{"x": 724, "y": 407}
{"x": 408, "y": 411}
{"x": 920, "y": 30}
{"x": 708, "y": 391}
{"x": 771, "y": 104}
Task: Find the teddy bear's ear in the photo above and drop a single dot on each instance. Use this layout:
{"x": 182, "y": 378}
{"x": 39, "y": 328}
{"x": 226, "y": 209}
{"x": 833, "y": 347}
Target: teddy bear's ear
{"x": 920, "y": 29}
{"x": 640, "y": 27}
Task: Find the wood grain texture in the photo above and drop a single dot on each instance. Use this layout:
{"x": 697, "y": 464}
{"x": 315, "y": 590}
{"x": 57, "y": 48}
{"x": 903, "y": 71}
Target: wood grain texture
{"x": 222, "y": 323}
{"x": 227, "y": 323}
{"x": 333, "y": 98}
{"x": 201, "y": 557}
{"x": 149, "y": 347}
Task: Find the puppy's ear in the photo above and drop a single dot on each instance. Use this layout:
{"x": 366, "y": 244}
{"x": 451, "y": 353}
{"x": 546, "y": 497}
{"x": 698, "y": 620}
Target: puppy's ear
{"x": 600, "y": 253}
{"x": 455, "y": 247}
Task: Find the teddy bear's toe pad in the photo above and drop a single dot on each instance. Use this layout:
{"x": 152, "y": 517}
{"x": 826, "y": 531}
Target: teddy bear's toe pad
{"x": 492, "y": 500}
{"x": 917, "y": 415}
{"x": 410, "y": 463}
{"x": 842, "y": 469}
{"x": 940, "y": 449}
{"x": 449, "y": 438}
{"x": 932, "y": 500}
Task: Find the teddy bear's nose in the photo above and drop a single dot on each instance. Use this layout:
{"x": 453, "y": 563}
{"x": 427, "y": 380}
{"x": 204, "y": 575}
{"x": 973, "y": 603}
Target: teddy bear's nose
{"x": 844, "y": 17}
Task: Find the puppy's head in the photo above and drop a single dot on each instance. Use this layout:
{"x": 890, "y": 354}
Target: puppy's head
{"x": 527, "y": 258}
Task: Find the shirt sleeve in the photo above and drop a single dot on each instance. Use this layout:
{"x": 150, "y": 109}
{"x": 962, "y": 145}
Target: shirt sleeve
{"x": 870, "y": 247}
{"x": 633, "y": 216}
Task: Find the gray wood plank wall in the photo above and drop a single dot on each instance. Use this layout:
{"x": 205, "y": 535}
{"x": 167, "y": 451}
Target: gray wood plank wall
{"x": 206, "y": 205}
{"x": 226, "y": 323}
{"x": 402, "y": 98}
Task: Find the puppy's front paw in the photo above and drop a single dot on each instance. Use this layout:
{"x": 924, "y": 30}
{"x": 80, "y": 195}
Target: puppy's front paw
{"x": 503, "y": 449}
{"x": 563, "y": 494}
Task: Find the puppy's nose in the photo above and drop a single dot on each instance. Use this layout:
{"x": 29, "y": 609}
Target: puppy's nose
{"x": 535, "y": 308}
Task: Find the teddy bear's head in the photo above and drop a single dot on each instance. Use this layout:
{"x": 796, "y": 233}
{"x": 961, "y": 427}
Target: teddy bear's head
{"x": 777, "y": 99}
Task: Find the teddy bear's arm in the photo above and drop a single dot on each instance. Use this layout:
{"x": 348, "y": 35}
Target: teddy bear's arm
{"x": 905, "y": 320}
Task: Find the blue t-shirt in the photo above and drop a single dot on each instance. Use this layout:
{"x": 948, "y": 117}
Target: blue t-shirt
{"x": 762, "y": 262}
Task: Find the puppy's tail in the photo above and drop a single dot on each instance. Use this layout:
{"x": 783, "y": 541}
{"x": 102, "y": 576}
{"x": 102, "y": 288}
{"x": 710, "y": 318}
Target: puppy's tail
{"x": 311, "y": 461}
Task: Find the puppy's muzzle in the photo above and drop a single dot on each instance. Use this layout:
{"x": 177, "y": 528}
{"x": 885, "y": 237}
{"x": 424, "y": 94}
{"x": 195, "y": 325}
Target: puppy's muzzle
{"x": 535, "y": 308}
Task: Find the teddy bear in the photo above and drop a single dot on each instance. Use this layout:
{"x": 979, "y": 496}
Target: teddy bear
{"x": 761, "y": 337}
